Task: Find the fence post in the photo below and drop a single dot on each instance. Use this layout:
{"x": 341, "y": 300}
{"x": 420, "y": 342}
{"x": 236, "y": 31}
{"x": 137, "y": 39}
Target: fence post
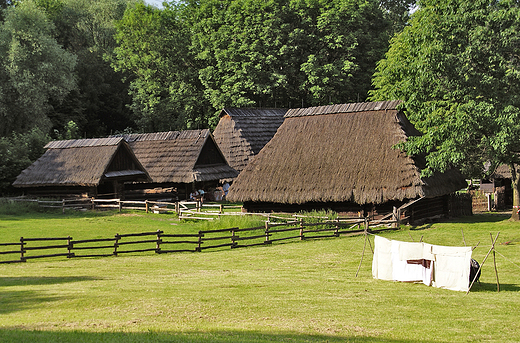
{"x": 233, "y": 238}
{"x": 177, "y": 208}
{"x": 63, "y": 206}
{"x": 220, "y": 209}
{"x": 200, "y": 242}
{"x": 146, "y": 205}
{"x": 159, "y": 241}
{"x": 93, "y": 203}
{"x": 267, "y": 232}
{"x": 120, "y": 205}
{"x": 69, "y": 246}
{"x": 22, "y": 251}
{"x": 336, "y": 233}
{"x": 301, "y": 229}
{"x": 116, "y": 243}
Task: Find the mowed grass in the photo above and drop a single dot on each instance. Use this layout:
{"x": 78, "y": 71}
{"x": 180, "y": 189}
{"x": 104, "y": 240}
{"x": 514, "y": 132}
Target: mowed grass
{"x": 292, "y": 292}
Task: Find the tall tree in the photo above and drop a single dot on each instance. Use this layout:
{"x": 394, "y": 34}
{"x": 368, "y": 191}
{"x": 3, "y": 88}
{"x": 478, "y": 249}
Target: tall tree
{"x": 288, "y": 52}
{"x": 34, "y": 69}
{"x": 457, "y": 69}
{"x": 195, "y": 57}
{"x": 86, "y": 28}
{"x": 398, "y": 12}
{"x": 154, "y": 47}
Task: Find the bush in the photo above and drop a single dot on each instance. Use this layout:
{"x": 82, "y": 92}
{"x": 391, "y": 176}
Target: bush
{"x": 17, "y": 153}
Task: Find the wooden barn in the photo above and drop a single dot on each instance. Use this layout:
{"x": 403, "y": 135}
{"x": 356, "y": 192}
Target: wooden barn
{"x": 242, "y": 132}
{"x": 180, "y": 161}
{"x": 83, "y": 167}
{"x": 342, "y": 157}
{"x": 499, "y": 185}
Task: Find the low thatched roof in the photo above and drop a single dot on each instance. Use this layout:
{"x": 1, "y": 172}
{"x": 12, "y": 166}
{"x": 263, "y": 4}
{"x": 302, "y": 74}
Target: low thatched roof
{"x": 82, "y": 162}
{"x": 242, "y": 132}
{"x": 180, "y": 156}
{"x": 504, "y": 172}
{"x": 340, "y": 153}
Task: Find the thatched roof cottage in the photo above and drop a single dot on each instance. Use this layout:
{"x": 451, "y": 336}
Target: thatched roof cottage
{"x": 242, "y": 132}
{"x": 340, "y": 157}
{"x": 182, "y": 159}
{"x": 88, "y": 167}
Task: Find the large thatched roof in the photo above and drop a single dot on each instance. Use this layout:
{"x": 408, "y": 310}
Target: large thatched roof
{"x": 180, "y": 156}
{"x": 340, "y": 153}
{"x": 82, "y": 162}
{"x": 242, "y": 132}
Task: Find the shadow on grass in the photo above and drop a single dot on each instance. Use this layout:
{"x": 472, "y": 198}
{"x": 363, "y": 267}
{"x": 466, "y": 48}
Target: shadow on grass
{"x": 16, "y": 335}
{"x": 12, "y": 301}
{"x": 492, "y": 287}
{"x": 476, "y": 218}
{"x": 42, "y": 280}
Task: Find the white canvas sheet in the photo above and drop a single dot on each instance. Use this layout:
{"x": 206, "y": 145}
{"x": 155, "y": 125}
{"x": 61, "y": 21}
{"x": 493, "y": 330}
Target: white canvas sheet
{"x": 439, "y": 266}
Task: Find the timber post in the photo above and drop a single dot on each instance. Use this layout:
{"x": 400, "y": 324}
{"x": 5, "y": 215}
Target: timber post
{"x": 22, "y": 251}
{"x": 69, "y": 247}
{"x": 159, "y": 241}
{"x": 117, "y": 237}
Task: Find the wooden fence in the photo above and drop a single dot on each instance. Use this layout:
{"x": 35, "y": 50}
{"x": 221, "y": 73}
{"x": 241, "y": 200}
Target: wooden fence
{"x": 184, "y": 208}
{"x": 160, "y": 242}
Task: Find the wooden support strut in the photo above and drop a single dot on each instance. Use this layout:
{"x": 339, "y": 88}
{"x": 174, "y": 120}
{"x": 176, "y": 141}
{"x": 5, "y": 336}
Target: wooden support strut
{"x": 485, "y": 258}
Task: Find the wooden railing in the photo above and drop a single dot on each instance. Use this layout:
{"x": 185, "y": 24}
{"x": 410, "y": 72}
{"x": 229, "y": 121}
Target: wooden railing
{"x": 183, "y": 208}
{"x": 160, "y": 242}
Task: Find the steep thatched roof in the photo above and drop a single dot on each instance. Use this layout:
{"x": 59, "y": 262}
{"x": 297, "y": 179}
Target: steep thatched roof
{"x": 82, "y": 162}
{"x": 340, "y": 153}
{"x": 180, "y": 156}
{"x": 242, "y": 132}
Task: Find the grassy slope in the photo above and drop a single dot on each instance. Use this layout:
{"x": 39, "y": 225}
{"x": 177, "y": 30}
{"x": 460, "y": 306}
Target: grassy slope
{"x": 297, "y": 292}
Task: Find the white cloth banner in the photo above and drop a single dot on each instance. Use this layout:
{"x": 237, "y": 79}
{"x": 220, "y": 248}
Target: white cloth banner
{"x": 439, "y": 266}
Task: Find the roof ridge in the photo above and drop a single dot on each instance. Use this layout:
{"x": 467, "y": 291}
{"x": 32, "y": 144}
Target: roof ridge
{"x": 84, "y": 142}
{"x": 344, "y": 108}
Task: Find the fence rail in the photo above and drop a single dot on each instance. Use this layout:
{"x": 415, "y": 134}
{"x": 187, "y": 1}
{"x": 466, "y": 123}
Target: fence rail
{"x": 160, "y": 242}
{"x": 183, "y": 208}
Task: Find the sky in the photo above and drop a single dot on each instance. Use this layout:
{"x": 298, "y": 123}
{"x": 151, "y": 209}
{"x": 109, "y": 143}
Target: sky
{"x": 156, "y": 3}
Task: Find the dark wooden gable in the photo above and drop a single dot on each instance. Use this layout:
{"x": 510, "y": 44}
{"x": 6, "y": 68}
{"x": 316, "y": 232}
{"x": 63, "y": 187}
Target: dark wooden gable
{"x": 210, "y": 154}
{"x": 123, "y": 159}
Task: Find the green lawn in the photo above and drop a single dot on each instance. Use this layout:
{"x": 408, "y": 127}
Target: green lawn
{"x": 293, "y": 292}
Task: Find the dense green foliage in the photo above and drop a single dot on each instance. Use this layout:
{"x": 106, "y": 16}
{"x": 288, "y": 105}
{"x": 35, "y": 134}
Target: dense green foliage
{"x": 193, "y": 58}
{"x": 17, "y": 152}
{"x": 34, "y": 70}
{"x": 457, "y": 69}
{"x": 54, "y": 79}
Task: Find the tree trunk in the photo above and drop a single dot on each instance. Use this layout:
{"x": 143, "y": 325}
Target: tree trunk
{"x": 515, "y": 183}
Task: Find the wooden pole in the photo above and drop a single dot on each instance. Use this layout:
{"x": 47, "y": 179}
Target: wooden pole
{"x": 116, "y": 243}
{"x": 495, "y": 263}
{"x": 159, "y": 241}
{"x": 22, "y": 251}
{"x": 69, "y": 246}
{"x": 364, "y": 246}
{"x": 485, "y": 258}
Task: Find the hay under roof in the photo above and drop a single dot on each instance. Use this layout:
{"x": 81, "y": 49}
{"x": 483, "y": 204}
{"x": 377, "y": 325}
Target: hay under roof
{"x": 82, "y": 162}
{"x": 340, "y": 153}
{"x": 242, "y": 132}
{"x": 180, "y": 156}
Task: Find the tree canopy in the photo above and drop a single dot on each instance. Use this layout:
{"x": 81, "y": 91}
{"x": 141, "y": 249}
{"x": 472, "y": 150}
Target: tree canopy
{"x": 456, "y": 67}
{"x": 193, "y": 58}
{"x": 34, "y": 69}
